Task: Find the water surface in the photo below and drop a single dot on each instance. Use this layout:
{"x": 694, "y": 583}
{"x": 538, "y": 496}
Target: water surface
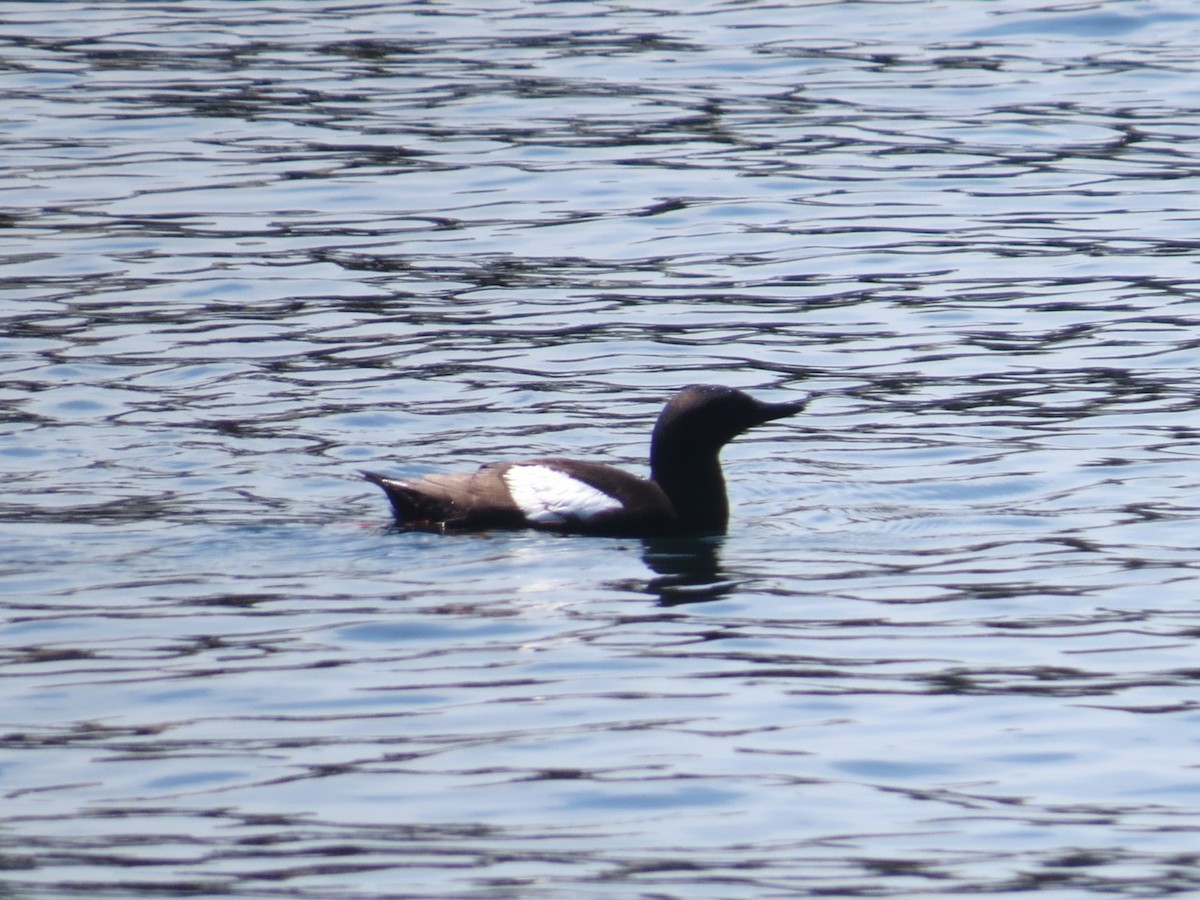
{"x": 948, "y": 646}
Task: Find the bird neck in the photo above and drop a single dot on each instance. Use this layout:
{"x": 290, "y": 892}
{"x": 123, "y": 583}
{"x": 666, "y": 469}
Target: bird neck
{"x": 692, "y": 480}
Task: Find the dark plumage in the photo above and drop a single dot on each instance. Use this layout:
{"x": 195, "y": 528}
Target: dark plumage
{"x": 685, "y": 493}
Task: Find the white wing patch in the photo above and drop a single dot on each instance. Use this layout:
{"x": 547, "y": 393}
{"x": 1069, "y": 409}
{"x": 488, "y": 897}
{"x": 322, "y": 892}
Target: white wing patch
{"x": 549, "y": 497}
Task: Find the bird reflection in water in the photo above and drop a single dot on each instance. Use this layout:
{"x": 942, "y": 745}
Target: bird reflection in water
{"x": 688, "y": 570}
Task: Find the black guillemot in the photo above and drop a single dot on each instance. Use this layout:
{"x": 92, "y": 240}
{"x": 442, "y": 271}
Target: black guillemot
{"x": 684, "y": 495}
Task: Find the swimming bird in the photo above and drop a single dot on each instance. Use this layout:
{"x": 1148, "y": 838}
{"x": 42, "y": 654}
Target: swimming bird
{"x": 684, "y": 495}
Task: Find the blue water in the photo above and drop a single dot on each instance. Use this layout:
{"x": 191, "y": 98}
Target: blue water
{"x": 948, "y": 646}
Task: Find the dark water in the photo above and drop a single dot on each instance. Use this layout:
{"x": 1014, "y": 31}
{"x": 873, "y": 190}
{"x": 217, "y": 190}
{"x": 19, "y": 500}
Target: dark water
{"x": 949, "y": 645}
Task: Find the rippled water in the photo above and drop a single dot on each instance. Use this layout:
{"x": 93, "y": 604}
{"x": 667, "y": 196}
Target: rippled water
{"x": 949, "y": 645}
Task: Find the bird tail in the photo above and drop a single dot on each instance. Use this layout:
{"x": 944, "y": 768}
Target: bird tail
{"x": 411, "y": 505}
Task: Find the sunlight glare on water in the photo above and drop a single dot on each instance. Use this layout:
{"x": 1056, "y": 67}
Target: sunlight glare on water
{"x": 948, "y": 645}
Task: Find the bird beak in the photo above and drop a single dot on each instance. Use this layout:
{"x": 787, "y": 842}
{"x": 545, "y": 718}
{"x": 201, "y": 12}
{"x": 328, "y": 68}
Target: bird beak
{"x": 781, "y": 410}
